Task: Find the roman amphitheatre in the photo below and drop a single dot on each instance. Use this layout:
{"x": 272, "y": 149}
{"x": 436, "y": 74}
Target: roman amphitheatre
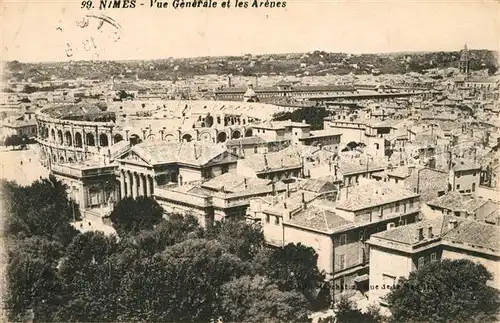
{"x": 73, "y": 133}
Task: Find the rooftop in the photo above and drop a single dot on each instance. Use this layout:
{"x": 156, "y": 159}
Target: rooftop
{"x": 318, "y": 219}
{"x": 373, "y": 194}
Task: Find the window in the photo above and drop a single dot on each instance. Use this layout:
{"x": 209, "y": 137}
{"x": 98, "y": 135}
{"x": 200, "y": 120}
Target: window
{"x": 411, "y": 204}
{"x": 397, "y": 207}
{"x": 458, "y": 186}
{"x": 341, "y": 262}
{"x": 255, "y": 149}
{"x": 458, "y": 175}
{"x": 342, "y": 240}
{"x": 421, "y": 262}
{"x": 277, "y": 220}
{"x": 433, "y": 256}
{"x": 225, "y": 169}
{"x": 362, "y": 235}
{"x": 267, "y": 218}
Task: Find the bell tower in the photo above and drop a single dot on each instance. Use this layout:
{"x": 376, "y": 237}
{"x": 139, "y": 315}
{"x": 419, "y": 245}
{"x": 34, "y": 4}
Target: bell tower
{"x": 464, "y": 64}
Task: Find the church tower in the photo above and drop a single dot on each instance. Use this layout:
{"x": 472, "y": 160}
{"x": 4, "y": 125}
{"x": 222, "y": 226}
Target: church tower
{"x": 464, "y": 64}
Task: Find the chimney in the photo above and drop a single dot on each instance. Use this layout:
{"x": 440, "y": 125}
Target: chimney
{"x": 303, "y": 121}
{"x": 452, "y": 224}
{"x": 245, "y": 181}
{"x": 420, "y": 232}
{"x": 430, "y": 235}
{"x": 265, "y": 161}
{"x": 284, "y": 205}
{"x": 304, "y": 204}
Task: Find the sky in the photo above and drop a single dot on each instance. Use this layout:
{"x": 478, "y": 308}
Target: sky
{"x": 55, "y": 30}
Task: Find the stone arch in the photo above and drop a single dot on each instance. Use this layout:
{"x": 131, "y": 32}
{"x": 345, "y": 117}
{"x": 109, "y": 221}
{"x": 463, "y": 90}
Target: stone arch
{"x": 70, "y": 160}
{"x": 78, "y": 140}
{"x": 249, "y": 132}
{"x": 61, "y": 159}
{"x": 117, "y": 138}
{"x": 218, "y": 119}
{"x": 60, "y": 137}
{"x": 236, "y": 134}
{"x": 222, "y": 137}
{"x": 68, "y": 138}
{"x": 54, "y": 158}
{"x": 103, "y": 140}
{"x": 151, "y": 136}
{"x": 90, "y": 139}
{"x": 205, "y": 136}
{"x": 53, "y": 135}
{"x": 186, "y": 138}
{"x": 169, "y": 138}
{"x": 135, "y": 139}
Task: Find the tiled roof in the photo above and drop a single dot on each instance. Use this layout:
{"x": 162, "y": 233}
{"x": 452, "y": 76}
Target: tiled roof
{"x": 318, "y": 185}
{"x": 474, "y": 233}
{"x": 429, "y": 182}
{"x": 318, "y": 219}
{"x": 234, "y": 183}
{"x": 465, "y": 164}
{"x": 408, "y": 234}
{"x": 254, "y": 140}
{"x": 184, "y": 152}
{"x": 457, "y": 202}
{"x": 373, "y": 194}
{"x": 286, "y": 158}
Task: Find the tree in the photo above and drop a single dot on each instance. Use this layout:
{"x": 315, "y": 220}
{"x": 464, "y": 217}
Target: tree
{"x": 90, "y": 279}
{"x": 346, "y": 311}
{"x": 257, "y": 299}
{"x": 240, "y": 238}
{"x": 444, "y": 291}
{"x": 133, "y": 215}
{"x": 33, "y": 286}
{"x": 174, "y": 229}
{"x": 192, "y": 272}
{"x": 13, "y": 140}
{"x": 294, "y": 267}
{"x": 312, "y": 115}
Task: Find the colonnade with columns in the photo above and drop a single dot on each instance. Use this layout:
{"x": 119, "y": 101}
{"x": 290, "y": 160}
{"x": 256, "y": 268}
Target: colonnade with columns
{"x": 135, "y": 184}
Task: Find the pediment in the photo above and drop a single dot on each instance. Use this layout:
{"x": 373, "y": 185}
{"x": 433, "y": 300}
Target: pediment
{"x": 134, "y": 158}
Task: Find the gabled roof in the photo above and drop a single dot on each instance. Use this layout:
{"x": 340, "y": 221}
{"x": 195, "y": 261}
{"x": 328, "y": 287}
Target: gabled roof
{"x": 192, "y": 153}
{"x": 373, "y": 194}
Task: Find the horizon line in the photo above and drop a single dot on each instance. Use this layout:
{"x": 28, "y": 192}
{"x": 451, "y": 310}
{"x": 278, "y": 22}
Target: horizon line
{"x": 253, "y": 54}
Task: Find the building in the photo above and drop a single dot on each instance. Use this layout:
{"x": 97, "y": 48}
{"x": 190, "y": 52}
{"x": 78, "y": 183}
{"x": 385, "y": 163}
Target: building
{"x": 464, "y": 63}
{"x": 226, "y": 196}
{"x": 466, "y": 206}
{"x": 276, "y": 166}
{"x": 336, "y": 224}
{"x": 398, "y": 251}
{"x": 464, "y": 176}
{"x": 154, "y": 164}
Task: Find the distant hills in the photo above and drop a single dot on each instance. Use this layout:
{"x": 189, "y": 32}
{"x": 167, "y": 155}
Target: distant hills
{"x": 312, "y": 63}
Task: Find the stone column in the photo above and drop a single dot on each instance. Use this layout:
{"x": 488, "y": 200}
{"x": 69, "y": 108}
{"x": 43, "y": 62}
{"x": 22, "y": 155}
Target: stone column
{"x": 145, "y": 185}
{"x": 123, "y": 193}
{"x": 135, "y": 185}
{"x": 129, "y": 184}
{"x": 149, "y": 183}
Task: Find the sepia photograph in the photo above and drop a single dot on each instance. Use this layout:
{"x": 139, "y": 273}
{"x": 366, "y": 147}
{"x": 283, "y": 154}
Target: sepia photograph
{"x": 260, "y": 161}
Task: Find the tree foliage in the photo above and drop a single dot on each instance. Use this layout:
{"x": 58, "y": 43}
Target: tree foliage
{"x": 444, "y": 291}
{"x": 133, "y": 215}
{"x": 258, "y": 299}
{"x": 311, "y": 115}
{"x": 159, "y": 269}
{"x": 294, "y": 267}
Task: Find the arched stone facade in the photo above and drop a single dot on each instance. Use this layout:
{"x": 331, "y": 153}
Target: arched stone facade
{"x": 62, "y": 140}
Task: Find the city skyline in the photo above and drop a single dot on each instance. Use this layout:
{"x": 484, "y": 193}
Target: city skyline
{"x": 333, "y": 26}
